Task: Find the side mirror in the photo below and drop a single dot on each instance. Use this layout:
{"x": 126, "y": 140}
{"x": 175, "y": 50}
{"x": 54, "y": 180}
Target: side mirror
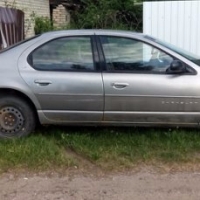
{"x": 176, "y": 67}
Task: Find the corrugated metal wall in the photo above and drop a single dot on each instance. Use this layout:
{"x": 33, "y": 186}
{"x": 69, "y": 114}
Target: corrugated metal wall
{"x": 11, "y": 26}
{"x": 177, "y": 22}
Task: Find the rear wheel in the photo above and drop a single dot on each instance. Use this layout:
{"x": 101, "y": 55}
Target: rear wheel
{"x": 17, "y": 118}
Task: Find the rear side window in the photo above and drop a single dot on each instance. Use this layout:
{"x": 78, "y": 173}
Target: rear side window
{"x": 64, "y": 54}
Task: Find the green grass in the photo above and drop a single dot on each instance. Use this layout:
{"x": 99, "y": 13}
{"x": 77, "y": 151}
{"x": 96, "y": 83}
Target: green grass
{"x": 36, "y": 152}
{"x": 128, "y": 146}
{"x": 109, "y": 148}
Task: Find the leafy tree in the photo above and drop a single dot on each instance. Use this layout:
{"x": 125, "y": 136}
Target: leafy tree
{"x": 113, "y": 14}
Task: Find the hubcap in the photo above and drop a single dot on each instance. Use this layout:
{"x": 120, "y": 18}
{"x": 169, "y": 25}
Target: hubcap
{"x": 11, "y": 120}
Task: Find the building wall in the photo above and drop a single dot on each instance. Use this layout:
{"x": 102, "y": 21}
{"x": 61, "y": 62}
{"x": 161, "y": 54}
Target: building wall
{"x": 39, "y": 7}
{"x": 176, "y": 22}
{"x": 61, "y": 17}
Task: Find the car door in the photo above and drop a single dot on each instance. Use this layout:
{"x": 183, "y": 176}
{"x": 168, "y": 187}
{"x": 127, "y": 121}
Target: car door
{"x": 63, "y": 75}
{"x": 138, "y": 88}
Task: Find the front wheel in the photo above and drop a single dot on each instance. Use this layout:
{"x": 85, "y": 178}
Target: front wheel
{"x": 17, "y": 118}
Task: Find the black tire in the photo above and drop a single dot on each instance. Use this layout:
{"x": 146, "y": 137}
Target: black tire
{"x": 17, "y": 118}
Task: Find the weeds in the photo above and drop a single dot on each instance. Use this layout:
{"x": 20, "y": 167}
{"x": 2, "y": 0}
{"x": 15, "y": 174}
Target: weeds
{"x": 110, "y": 148}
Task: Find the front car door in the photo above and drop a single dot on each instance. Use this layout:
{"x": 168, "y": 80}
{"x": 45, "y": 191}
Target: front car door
{"x": 64, "y": 77}
{"x": 138, "y": 88}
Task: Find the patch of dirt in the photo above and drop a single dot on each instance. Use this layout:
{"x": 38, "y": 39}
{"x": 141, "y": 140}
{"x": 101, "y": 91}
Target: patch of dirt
{"x": 88, "y": 181}
{"x": 84, "y": 161}
{"x": 84, "y": 164}
{"x": 146, "y": 184}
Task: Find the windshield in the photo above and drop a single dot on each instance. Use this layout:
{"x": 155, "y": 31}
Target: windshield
{"x": 190, "y": 56}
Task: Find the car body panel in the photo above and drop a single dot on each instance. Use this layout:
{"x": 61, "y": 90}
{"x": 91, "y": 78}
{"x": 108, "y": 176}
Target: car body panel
{"x": 92, "y": 98}
{"x": 159, "y": 94}
{"x": 10, "y": 78}
{"x": 64, "y": 95}
{"x": 68, "y": 92}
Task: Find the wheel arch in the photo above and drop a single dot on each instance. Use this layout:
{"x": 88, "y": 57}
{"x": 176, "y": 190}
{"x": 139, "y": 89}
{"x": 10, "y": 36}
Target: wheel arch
{"x": 21, "y": 95}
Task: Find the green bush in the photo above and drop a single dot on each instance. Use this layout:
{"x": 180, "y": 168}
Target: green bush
{"x": 104, "y": 14}
{"x": 101, "y": 14}
{"x": 42, "y": 24}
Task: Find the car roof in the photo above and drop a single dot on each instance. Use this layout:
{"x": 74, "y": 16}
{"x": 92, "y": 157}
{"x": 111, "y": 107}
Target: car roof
{"x": 92, "y": 32}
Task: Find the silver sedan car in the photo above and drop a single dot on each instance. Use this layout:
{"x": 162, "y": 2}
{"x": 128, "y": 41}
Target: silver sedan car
{"x": 97, "y": 77}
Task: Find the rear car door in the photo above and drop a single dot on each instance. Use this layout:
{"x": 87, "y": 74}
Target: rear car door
{"x": 65, "y": 78}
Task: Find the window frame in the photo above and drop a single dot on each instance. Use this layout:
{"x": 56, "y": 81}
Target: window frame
{"x": 95, "y": 55}
{"x": 191, "y": 71}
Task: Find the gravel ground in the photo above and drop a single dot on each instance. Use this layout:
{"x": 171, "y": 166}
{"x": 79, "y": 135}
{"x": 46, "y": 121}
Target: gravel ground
{"x": 143, "y": 185}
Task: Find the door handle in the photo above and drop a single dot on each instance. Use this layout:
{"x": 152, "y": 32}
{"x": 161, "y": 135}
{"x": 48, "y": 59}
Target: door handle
{"x": 120, "y": 85}
{"x": 42, "y": 82}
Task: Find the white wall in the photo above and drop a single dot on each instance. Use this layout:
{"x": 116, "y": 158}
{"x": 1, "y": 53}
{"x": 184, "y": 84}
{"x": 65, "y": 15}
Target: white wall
{"x": 177, "y": 22}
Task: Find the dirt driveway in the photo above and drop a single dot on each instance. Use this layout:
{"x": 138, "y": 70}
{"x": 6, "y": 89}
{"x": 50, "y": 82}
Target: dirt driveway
{"x": 142, "y": 185}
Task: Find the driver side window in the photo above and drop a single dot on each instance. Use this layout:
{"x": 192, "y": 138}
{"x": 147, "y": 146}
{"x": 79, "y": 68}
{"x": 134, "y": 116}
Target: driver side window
{"x": 124, "y": 54}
